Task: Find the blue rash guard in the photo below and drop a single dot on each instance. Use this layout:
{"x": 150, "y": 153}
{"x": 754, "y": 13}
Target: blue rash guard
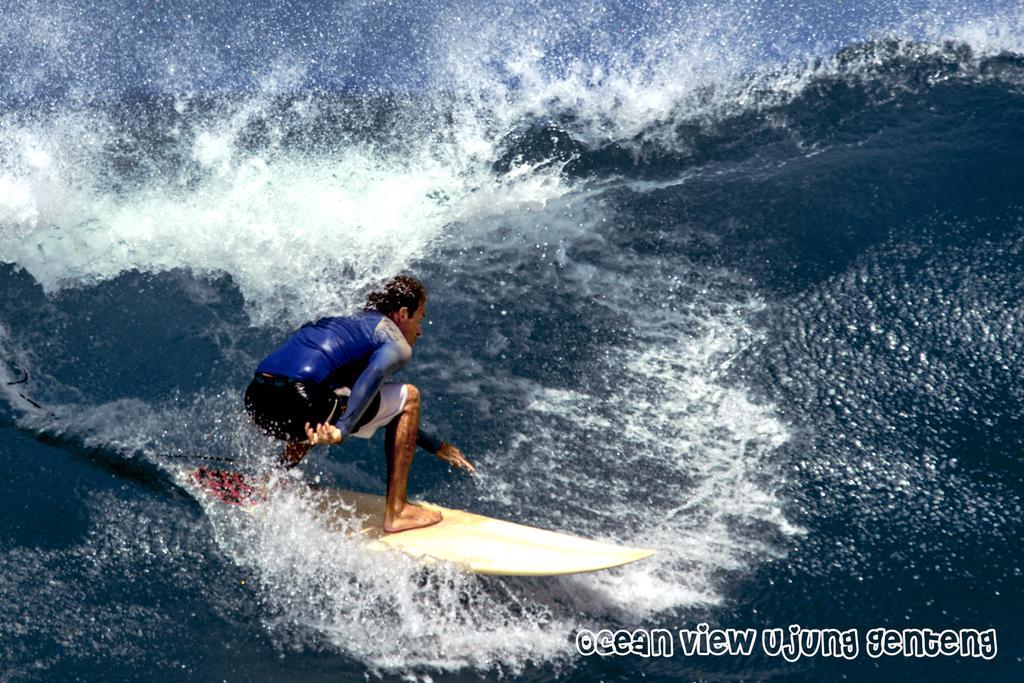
{"x": 359, "y": 352}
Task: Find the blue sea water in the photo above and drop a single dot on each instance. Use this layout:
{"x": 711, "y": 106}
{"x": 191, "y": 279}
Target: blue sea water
{"x": 738, "y": 281}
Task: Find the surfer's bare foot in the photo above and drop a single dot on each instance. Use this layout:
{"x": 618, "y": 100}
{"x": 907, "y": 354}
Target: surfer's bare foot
{"x": 410, "y": 517}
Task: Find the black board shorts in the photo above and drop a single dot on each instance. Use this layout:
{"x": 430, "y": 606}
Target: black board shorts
{"x": 281, "y": 407}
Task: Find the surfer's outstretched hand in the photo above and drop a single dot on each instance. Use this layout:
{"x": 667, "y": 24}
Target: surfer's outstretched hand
{"x": 454, "y": 457}
{"x": 324, "y": 434}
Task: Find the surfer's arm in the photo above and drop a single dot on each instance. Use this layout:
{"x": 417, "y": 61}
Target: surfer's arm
{"x": 428, "y": 440}
{"x": 387, "y": 360}
{"x": 432, "y": 443}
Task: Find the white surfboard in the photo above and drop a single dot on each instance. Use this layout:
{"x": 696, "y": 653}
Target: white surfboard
{"x": 478, "y": 543}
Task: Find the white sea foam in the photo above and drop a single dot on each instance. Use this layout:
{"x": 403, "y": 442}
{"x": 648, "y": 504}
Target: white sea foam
{"x": 289, "y": 228}
{"x": 378, "y": 605}
{"x": 300, "y": 235}
{"x": 672, "y": 455}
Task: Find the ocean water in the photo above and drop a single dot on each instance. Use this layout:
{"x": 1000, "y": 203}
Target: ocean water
{"x": 739, "y": 281}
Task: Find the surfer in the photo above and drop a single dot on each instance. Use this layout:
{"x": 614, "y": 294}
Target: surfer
{"x": 333, "y": 374}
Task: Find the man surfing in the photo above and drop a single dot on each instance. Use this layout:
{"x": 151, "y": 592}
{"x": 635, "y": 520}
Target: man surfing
{"x": 333, "y": 373}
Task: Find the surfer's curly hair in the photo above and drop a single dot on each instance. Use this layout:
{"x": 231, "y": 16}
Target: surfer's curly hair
{"x": 399, "y": 291}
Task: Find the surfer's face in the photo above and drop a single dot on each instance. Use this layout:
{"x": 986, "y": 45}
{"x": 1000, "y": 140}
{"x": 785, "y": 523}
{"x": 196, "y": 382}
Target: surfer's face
{"x": 411, "y": 326}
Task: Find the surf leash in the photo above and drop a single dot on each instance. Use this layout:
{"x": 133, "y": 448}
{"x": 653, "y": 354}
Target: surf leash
{"x": 206, "y": 458}
{"x": 23, "y": 396}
